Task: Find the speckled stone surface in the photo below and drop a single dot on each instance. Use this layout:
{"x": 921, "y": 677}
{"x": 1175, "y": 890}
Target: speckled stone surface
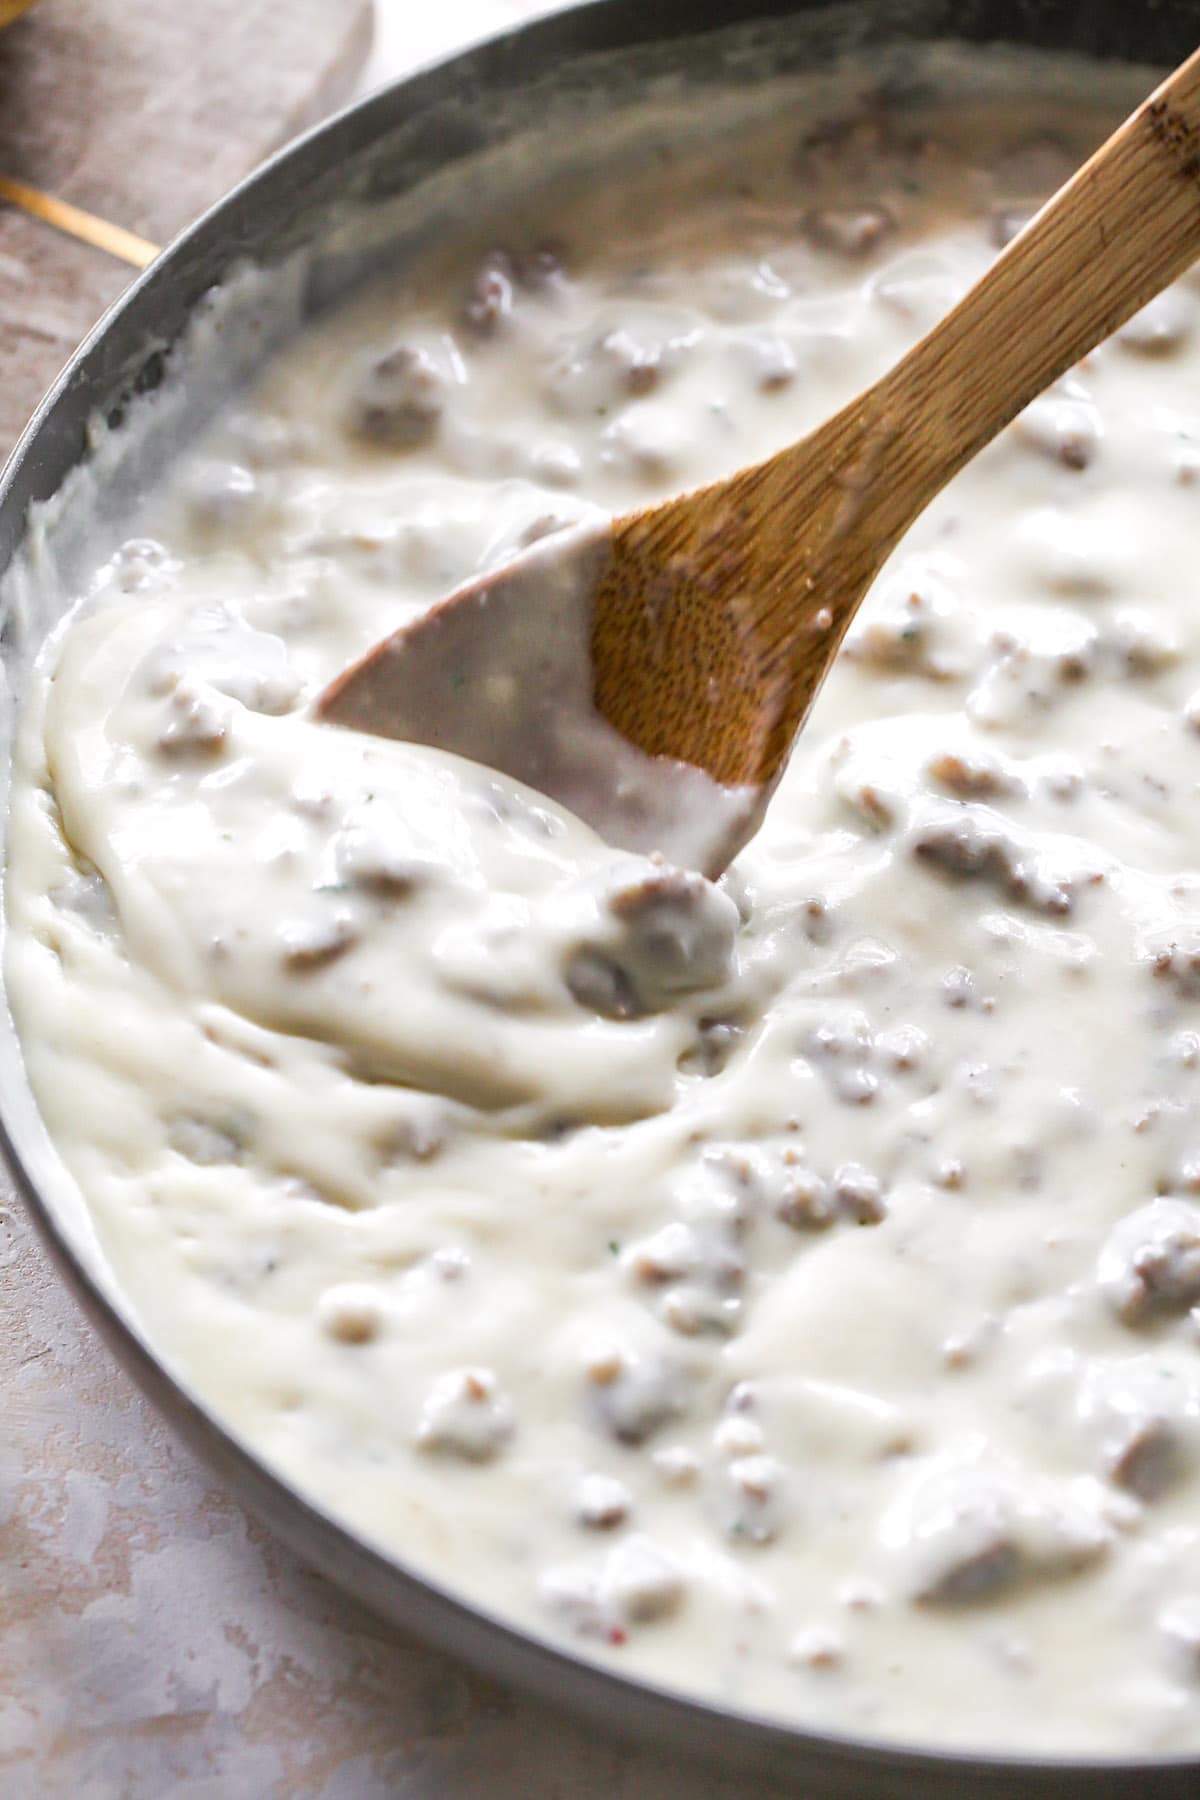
{"x": 153, "y": 1640}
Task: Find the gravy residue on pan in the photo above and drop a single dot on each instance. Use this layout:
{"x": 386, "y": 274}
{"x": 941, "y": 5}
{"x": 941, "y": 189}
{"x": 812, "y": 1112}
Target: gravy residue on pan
{"x": 789, "y": 1288}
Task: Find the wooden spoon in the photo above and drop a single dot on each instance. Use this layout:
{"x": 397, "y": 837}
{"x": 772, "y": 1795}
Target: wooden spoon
{"x": 700, "y": 630}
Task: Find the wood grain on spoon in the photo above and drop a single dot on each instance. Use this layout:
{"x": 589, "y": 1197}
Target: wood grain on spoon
{"x": 714, "y": 617}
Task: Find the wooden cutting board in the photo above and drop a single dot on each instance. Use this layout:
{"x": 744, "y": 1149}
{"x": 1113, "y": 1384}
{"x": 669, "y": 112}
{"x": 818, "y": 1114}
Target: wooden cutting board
{"x": 143, "y": 112}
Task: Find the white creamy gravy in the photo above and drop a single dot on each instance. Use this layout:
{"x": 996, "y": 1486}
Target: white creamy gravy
{"x": 784, "y": 1289}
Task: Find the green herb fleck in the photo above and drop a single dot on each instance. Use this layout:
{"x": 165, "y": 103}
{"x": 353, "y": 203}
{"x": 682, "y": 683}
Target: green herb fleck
{"x": 614, "y": 1248}
{"x": 458, "y": 681}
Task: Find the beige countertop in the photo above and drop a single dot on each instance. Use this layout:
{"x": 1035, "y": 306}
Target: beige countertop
{"x": 154, "y": 1641}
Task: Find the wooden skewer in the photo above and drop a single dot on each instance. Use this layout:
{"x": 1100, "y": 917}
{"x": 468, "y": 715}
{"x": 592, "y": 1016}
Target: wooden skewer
{"x": 12, "y": 9}
{"x": 126, "y": 246}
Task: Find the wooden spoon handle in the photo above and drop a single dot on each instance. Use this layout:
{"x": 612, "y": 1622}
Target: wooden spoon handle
{"x": 1118, "y": 233}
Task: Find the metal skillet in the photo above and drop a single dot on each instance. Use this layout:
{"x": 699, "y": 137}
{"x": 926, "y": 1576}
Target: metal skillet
{"x": 435, "y": 128}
